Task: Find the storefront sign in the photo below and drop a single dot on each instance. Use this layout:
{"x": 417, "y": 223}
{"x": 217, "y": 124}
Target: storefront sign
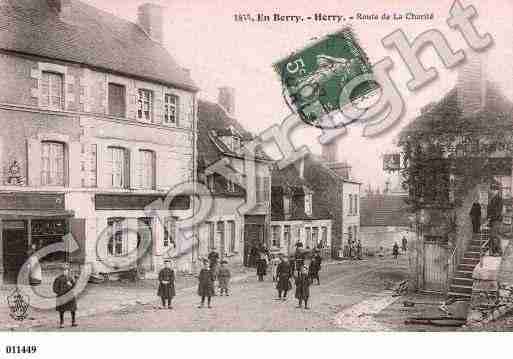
{"x": 32, "y": 201}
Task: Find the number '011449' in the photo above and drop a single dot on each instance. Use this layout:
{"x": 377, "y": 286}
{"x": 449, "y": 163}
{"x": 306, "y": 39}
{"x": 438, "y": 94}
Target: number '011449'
{"x": 20, "y": 349}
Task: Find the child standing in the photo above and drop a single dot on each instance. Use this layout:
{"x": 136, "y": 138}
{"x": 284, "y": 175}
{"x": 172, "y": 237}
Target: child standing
{"x": 166, "y": 290}
{"x": 223, "y": 276}
{"x": 205, "y": 284}
{"x": 303, "y": 281}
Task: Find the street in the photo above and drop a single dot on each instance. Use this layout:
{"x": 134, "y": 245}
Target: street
{"x": 251, "y": 305}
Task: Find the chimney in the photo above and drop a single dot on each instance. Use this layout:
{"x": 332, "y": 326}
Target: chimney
{"x": 61, "y": 7}
{"x": 330, "y": 151}
{"x": 472, "y": 84}
{"x": 226, "y": 98}
{"x": 151, "y": 19}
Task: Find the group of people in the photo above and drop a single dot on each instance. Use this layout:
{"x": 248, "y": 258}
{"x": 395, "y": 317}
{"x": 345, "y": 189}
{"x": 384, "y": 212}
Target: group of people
{"x": 494, "y": 216}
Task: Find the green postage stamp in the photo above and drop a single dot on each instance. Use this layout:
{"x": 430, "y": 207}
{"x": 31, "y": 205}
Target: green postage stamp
{"x": 314, "y": 78}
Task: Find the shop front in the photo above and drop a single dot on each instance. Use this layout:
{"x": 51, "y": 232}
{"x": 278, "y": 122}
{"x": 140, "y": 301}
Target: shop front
{"x": 30, "y": 220}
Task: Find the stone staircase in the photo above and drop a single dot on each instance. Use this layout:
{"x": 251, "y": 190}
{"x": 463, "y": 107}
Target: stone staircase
{"x": 461, "y": 282}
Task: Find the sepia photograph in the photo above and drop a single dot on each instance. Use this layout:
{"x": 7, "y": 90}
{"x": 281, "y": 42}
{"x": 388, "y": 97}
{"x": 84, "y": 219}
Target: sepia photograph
{"x": 243, "y": 166}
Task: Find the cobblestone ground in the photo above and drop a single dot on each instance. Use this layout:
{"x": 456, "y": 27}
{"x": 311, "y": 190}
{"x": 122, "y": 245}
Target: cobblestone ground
{"x": 251, "y": 305}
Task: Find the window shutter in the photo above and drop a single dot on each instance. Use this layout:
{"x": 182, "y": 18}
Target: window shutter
{"x": 127, "y": 178}
{"x": 34, "y": 162}
{"x": 74, "y": 170}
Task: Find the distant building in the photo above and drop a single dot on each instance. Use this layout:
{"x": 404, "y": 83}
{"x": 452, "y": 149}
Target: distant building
{"x": 296, "y": 214}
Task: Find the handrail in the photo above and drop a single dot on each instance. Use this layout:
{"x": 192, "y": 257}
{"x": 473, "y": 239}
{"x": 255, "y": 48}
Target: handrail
{"x": 451, "y": 265}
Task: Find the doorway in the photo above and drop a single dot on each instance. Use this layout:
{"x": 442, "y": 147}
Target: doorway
{"x": 254, "y": 237}
{"x": 15, "y": 245}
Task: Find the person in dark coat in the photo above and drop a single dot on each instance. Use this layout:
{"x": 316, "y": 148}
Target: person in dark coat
{"x": 166, "y": 290}
{"x": 300, "y": 259}
{"x": 205, "y": 284}
{"x": 303, "y": 281}
{"x": 61, "y": 286}
{"x": 395, "y": 250}
{"x": 283, "y": 273}
{"x": 475, "y": 215}
{"x": 494, "y": 212}
{"x": 404, "y": 243}
{"x": 261, "y": 267}
{"x": 315, "y": 267}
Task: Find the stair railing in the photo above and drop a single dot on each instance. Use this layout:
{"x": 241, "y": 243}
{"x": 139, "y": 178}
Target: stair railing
{"x": 484, "y": 240}
{"x": 452, "y": 263}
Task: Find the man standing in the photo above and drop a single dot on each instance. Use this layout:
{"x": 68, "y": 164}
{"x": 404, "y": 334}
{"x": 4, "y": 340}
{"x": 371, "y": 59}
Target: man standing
{"x": 475, "y": 215}
{"x": 283, "y": 273}
{"x": 494, "y": 212}
{"x": 61, "y": 286}
{"x": 404, "y": 243}
{"x": 395, "y": 250}
{"x": 166, "y": 290}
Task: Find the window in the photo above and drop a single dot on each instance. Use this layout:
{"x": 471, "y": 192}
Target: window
{"x": 262, "y": 189}
{"x": 52, "y": 90}
{"x": 52, "y": 164}
{"x": 350, "y": 204}
{"x": 147, "y": 169}
{"x": 286, "y": 206}
{"x": 117, "y": 167}
{"x": 170, "y": 109}
{"x": 324, "y": 238}
{"x": 145, "y": 105}
{"x": 117, "y": 100}
{"x": 308, "y": 237}
{"x": 308, "y": 204}
{"x": 211, "y": 182}
{"x": 286, "y": 235}
{"x": 276, "y": 236}
{"x": 236, "y": 143}
{"x": 231, "y": 228}
{"x": 220, "y": 237}
{"x": 355, "y": 204}
{"x": 315, "y": 236}
{"x": 230, "y": 186}
{"x": 211, "y": 239}
{"x": 117, "y": 245}
{"x": 168, "y": 233}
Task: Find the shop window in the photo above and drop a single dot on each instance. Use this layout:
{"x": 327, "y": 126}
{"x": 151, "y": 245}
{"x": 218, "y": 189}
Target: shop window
{"x": 47, "y": 232}
{"x": 117, "y": 244}
{"x": 52, "y": 90}
{"x": 308, "y": 237}
{"x": 118, "y": 167}
{"x": 52, "y": 164}
{"x": 286, "y": 235}
{"x": 324, "y": 237}
{"x": 117, "y": 100}
{"x": 147, "y": 169}
{"x": 315, "y": 236}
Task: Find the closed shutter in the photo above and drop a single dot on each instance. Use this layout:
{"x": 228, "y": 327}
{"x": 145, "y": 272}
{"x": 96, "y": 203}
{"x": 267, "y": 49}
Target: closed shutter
{"x": 34, "y": 162}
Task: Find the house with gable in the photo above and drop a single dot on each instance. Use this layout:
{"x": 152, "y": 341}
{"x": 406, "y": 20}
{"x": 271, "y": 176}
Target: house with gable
{"x": 93, "y": 131}
{"x": 240, "y": 218}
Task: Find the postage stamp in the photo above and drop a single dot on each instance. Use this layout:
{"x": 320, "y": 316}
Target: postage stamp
{"x": 315, "y": 77}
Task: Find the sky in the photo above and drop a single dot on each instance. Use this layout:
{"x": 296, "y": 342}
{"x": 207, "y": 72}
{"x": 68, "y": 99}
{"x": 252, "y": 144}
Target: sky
{"x": 203, "y": 36}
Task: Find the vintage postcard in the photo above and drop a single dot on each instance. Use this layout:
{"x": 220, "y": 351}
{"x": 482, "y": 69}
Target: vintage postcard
{"x": 243, "y": 166}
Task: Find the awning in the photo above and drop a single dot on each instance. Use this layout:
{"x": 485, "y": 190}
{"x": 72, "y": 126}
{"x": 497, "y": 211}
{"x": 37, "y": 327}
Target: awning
{"x": 48, "y": 214}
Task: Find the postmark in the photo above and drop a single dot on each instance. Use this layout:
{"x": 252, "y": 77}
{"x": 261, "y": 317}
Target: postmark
{"x": 314, "y": 79}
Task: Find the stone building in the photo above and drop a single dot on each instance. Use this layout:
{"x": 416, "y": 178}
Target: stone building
{"x": 98, "y": 121}
{"x": 240, "y": 215}
{"x": 296, "y": 217}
